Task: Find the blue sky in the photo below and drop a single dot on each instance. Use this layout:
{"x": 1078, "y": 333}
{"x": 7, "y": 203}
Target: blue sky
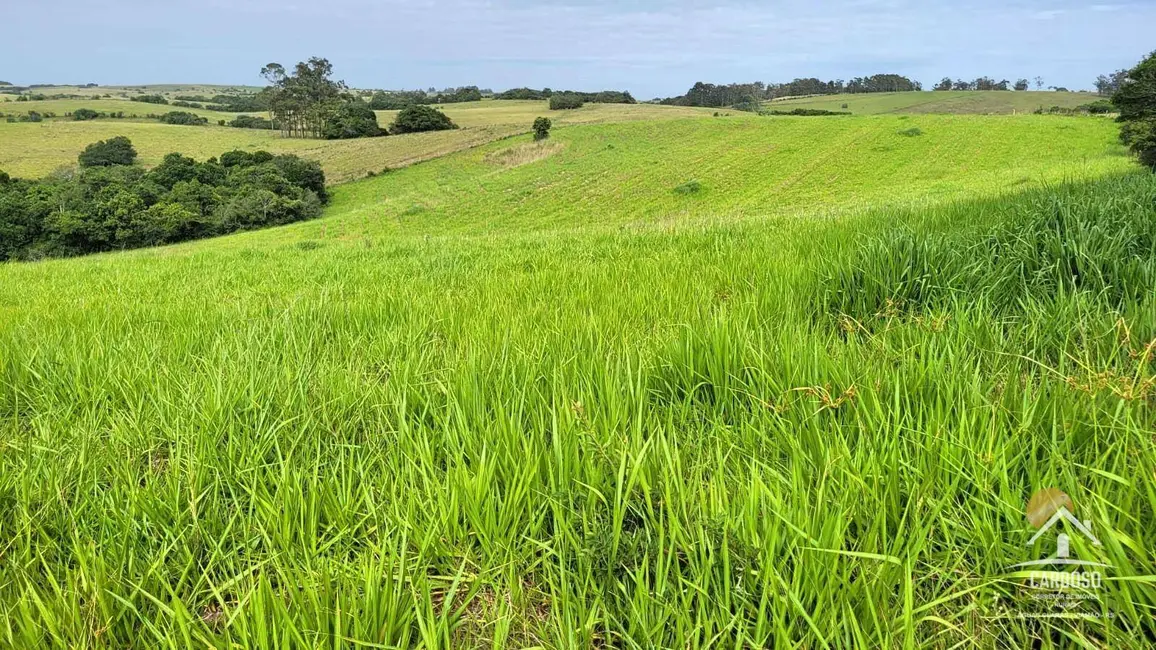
{"x": 650, "y": 48}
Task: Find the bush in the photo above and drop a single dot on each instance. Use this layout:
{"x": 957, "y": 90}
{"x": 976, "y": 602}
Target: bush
{"x": 353, "y": 119}
{"x": 542, "y": 128}
{"x": 124, "y": 206}
{"x": 250, "y": 122}
{"x": 1136, "y": 102}
{"x": 913, "y": 132}
{"x": 151, "y": 99}
{"x": 106, "y": 153}
{"x": 692, "y": 187}
{"x": 565, "y": 101}
{"x": 415, "y": 119}
{"x": 84, "y": 114}
{"x": 183, "y": 118}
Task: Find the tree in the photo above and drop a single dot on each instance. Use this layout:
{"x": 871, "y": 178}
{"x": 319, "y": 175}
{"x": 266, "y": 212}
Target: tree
{"x": 1021, "y": 85}
{"x": 542, "y": 128}
{"x": 1039, "y": 83}
{"x": 352, "y": 119}
{"x": 1136, "y": 102}
{"x": 183, "y": 118}
{"x": 106, "y": 153}
{"x": 1109, "y": 84}
{"x": 565, "y": 101}
{"x": 416, "y": 119}
{"x": 83, "y": 114}
{"x": 303, "y": 101}
{"x": 944, "y": 84}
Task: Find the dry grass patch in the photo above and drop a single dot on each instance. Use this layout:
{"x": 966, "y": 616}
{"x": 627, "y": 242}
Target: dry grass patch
{"x": 524, "y": 154}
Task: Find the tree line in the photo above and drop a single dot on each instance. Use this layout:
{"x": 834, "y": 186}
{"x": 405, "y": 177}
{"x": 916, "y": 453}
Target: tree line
{"x": 600, "y": 97}
{"x": 110, "y": 203}
{"x": 748, "y": 96}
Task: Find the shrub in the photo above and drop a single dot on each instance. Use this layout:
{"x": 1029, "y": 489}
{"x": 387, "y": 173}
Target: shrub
{"x": 106, "y": 153}
{"x": 83, "y": 114}
{"x": 251, "y": 122}
{"x": 913, "y": 132}
{"x": 542, "y": 128}
{"x": 1136, "y": 102}
{"x": 183, "y": 118}
{"x": 353, "y": 119}
{"x": 565, "y": 101}
{"x": 124, "y": 206}
{"x": 692, "y": 187}
{"x": 415, "y": 119}
{"x": 151, "y": 99}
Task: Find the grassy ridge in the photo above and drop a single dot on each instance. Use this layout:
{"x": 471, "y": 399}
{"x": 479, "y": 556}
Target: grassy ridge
{"x": 34, "y": 150}
{"x": 492, "y": 425}
{"x": 959, "y": 102}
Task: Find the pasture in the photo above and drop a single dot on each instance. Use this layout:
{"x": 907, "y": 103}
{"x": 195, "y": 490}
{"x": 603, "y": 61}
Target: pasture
{"x": 955, "y": 102}
{"x": 704, "y": 382}
{"x": 33, "y": 150}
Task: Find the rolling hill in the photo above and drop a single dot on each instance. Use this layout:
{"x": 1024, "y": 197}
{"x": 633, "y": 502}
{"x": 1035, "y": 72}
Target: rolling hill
{"x": 703, "y": 382}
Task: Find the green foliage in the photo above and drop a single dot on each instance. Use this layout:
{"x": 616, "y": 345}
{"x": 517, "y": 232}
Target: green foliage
{"x": 116, "y": 205}
{"x": 248, "y": 103}
{"x": 393, "y": 101}
{"x": 84, "y": 114}
{"x": 150, "y": 99}
{"x": 106, "y": 153}
{"x": 690, "y": 187}
{"x": 416, "y": 119}
{"x": 252, "y": 122}
{"x": 547, "y": 408}
{"x": 565, "y": 101}
{"x": 1136, "y": 102}
{"x": 806, "y": 112}
{"x": 913, "y": 132}
{"x": 542, "y": 127}
{"x": 183, "y": 118}
{"x": 352, "y": 119}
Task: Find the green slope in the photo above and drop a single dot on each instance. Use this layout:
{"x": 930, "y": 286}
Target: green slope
{"x": 556, "y": 404}
{"x": 959, "y": 102}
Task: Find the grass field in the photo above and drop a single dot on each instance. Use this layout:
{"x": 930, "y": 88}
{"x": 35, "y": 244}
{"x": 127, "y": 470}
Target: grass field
{"x": 61, "y": 107}
{"x": 31, "y": 150}
{"x": 974, "y": 102}
{"x": 553, "y": 395}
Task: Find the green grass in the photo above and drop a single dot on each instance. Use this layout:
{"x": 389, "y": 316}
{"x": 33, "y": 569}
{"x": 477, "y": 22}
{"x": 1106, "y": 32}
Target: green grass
{"x": 31, "y": 150}
{"x": 559, "y": 404}
{"x": 959, "y": 102}
{"x": 132, "y": 110}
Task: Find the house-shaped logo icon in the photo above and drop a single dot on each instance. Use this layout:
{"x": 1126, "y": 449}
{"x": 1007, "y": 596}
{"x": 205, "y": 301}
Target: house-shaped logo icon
{"x": 1063, "y": 554}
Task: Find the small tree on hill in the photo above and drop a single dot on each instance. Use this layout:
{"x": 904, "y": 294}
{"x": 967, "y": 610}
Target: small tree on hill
{"x": 1021, "y": 85}
{"x": 415, "y": 119}
{"x": 106, "y": 153}
{"x": 82, "y": 114}
{"x": 944, "y": 84}
{"x": 542, "y": 128}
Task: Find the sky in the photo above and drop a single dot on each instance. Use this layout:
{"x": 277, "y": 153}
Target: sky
{"x": 651, "y": 48}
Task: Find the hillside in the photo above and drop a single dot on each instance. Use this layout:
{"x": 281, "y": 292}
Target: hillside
{"x": 32, "y": 150}
{"x": 707, "y": 382}
{"x": 957, "y": 102}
